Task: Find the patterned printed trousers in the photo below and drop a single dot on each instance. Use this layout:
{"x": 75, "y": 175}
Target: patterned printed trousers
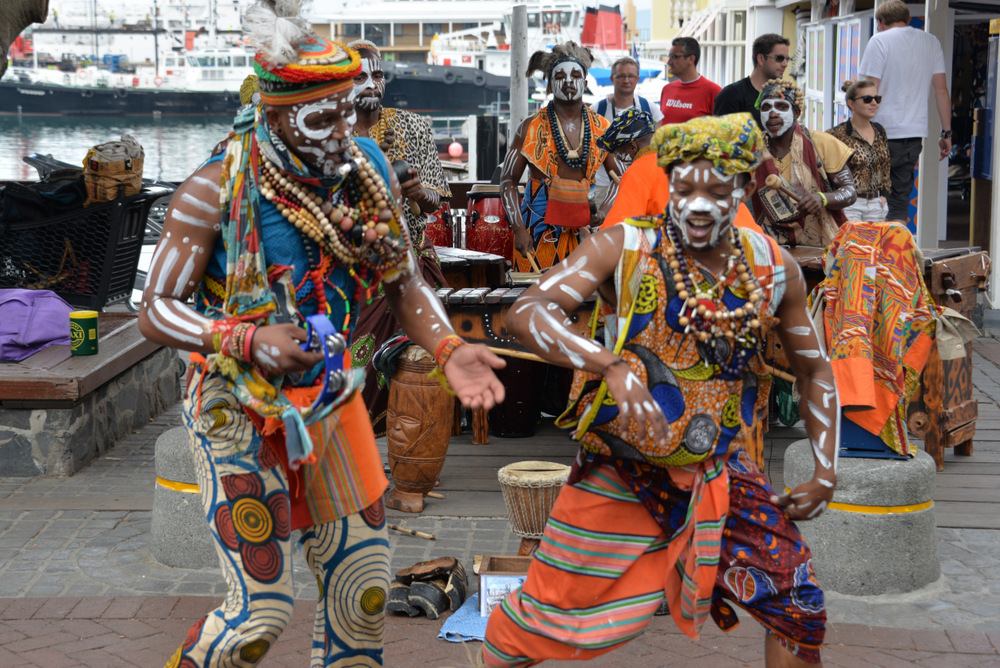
{"x": 245, "y": 499}
{"x": 599, "y": 574}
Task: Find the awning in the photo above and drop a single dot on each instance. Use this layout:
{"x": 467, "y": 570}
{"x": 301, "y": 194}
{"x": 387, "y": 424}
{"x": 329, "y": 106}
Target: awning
{"x": 698, "y": 24}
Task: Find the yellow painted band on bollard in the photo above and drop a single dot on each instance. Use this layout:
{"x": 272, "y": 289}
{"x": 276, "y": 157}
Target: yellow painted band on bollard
{"x": 875, "y": 510}
{"x": 177, "y": 486}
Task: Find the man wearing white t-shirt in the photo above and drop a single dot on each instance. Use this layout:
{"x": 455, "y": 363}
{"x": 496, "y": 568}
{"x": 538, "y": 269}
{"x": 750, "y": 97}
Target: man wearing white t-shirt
{"x": 624, "y": 77}
{"x": 903, "y": 62}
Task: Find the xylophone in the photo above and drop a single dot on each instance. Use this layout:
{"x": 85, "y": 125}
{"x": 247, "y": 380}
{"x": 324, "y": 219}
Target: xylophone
{"x": 479, "y": 315}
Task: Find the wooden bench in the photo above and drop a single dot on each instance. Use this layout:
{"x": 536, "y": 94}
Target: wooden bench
{"x": 59, "y": 411}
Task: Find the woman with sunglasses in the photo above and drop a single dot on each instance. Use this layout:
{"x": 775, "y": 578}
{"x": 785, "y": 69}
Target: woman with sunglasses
{"x": 811, "y": 183}
{"x": 870, "y": 162}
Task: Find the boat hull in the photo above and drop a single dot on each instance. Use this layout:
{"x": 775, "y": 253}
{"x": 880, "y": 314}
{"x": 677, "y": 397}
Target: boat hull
{"x": 34, "y": 99}
{"x": 439, "y": 89}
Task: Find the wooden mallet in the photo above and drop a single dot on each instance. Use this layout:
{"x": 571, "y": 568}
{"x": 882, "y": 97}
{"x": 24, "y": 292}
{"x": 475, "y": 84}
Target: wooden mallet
{"x": 778, "y": 183}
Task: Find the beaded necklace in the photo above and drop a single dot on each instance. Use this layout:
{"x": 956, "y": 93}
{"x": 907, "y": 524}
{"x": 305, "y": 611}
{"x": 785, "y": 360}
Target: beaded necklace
{"x": 353, "y": 223}
{"x": 705, "y": 313}
{"x": 577, "y": 158}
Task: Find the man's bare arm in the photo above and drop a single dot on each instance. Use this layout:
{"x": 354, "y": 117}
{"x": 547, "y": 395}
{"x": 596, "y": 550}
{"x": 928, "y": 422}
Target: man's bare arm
{"x": 513, "y": 169}
{"x": 819, "y": 404}
{"x": 540, "y": 320}
{"x": 191, "y": 229}
{"x": 942, "y": 99}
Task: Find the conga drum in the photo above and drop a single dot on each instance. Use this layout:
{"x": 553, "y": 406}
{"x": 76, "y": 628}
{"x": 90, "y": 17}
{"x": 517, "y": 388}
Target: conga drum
{"x": 418, "y": 428}
{"x": 487, "y": 229}
{"x": 529, "y": 492}
{"x": 439, "y": 226}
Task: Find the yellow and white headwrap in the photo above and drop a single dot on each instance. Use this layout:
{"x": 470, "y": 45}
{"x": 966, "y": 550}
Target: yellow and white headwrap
{"x": 731, "y": 142}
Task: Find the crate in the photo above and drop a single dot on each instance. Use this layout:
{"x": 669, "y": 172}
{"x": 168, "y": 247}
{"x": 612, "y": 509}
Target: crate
{"x": 498, "y": 576}
{"x": 88, "y": 257}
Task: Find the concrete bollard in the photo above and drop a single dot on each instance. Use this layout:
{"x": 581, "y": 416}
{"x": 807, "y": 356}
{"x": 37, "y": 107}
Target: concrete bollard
{"x": 179, "y": 534}
{"x": 879, "y": 535}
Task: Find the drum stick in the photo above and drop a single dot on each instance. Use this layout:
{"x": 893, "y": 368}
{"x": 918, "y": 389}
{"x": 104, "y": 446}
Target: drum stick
{"x": 533, "y": 263}
{"x": 779, "y": 373}
{"x": 505, "y": 352}
{"x": 776, "y": 182}
{"x": 615, "y": 178}
{"x": 434, "y": 495}
{"x": 412, "y": 532}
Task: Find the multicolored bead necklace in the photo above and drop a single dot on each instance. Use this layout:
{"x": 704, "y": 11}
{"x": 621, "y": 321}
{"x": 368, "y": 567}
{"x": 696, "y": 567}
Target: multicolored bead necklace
{"x": 577, "y": 158}
{"x": 705, "y": 314}
{"x": 353, "y": 223}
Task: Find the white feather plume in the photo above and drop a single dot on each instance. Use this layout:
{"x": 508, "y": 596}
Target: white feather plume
{"x": 275, "y": 28}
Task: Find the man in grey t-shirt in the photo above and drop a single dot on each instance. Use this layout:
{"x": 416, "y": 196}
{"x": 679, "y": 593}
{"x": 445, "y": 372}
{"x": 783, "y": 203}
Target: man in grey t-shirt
{"x": 904, "y": 63}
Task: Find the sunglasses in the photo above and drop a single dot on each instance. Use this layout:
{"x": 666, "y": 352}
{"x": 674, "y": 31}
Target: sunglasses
{"x": 778, "y": 59}
{"x": 867, "y": 99}
{"x": 780, "y": 105}
{"x": 674, "y": 56}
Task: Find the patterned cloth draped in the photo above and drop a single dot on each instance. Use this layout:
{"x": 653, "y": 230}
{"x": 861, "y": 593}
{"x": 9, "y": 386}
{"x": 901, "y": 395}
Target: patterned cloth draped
{"x": 878, "y": 319}
{"x": 604, "y": 566}
{"x": 552, "y": 242}
{"x": 806, "y": 171}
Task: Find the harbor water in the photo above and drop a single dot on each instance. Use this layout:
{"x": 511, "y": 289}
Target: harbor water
{"x": 174, "y": 146}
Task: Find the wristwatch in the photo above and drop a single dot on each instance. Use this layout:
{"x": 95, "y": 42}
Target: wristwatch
{"x": 946, "y": 134}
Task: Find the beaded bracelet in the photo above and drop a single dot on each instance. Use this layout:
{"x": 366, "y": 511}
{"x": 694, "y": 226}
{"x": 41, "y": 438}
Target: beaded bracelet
{"x": 233, "y": 340}
{"x": 446, "y": 347}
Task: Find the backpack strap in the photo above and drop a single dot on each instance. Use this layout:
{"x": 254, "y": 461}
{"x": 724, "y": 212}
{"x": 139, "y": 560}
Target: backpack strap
{"x": 602, "y": 107}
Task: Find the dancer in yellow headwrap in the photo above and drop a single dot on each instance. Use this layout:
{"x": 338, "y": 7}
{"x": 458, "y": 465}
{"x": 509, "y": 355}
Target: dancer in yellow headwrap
{"x": 663, "y": 500}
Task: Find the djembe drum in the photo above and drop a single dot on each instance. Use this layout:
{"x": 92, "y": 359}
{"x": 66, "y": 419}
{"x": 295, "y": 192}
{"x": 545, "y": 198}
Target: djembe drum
{"x": 529, "y": 492}
{"x": 418, "y": 428}
{"x": 487, "y": 229}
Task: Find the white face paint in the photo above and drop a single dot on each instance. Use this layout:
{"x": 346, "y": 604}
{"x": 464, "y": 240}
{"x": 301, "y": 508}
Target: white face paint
{"x": 321, "y": 130}
{"x": 369, "y": 84}
{"x": 568, "y": 80}
{"x": 787, "y": 118}
{"x": 700, "y": 220}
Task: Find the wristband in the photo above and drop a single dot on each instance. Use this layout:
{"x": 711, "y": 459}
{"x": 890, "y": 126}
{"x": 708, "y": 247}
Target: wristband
{"x": 822, "y": 196}
{"x": 446, "y": 347}
{"x": 248, "y": 340}
{"x": 232, "y": 340}
{"x": 604, "y": 371}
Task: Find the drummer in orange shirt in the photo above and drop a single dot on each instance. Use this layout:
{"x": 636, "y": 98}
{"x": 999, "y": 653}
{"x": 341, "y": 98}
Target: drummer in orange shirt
{"x": 644, "y": 189}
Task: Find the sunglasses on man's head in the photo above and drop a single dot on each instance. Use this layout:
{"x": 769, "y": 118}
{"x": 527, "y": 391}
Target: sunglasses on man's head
{"x": 778, "y": 59}
{"x": 780, "y": 105}
{"x": 867, "y": 99}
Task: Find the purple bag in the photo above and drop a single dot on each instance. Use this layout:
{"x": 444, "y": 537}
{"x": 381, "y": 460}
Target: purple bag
{"x": 31, "y": 320}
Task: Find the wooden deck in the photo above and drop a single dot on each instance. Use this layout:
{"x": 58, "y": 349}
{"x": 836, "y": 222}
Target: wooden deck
{"x": 967, "y": 495}
{"x": 54, "y": 377}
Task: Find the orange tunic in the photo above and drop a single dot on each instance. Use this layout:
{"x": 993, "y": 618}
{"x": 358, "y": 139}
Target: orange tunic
{"x": 553, "y": 243}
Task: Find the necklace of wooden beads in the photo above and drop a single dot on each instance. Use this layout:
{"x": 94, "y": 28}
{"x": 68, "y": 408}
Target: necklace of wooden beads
{"x": 705, "y": 314}
{"x": 575, "y": 158}
{"x": 353, "y": 224}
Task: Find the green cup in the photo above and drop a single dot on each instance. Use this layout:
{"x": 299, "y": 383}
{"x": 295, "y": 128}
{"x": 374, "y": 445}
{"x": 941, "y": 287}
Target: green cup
{"x": 83, "y": 332}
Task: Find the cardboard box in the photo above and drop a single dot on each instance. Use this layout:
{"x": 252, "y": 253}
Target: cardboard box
{"x": 498, "y": 576}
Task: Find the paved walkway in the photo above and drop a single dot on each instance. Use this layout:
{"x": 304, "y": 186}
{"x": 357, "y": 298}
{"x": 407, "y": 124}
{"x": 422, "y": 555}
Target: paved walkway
{"x": 79, "y": 587}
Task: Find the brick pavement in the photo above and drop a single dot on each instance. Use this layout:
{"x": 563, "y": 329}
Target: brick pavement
{"x": 79, "y": 588}
{"x": 108, "y": 632}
